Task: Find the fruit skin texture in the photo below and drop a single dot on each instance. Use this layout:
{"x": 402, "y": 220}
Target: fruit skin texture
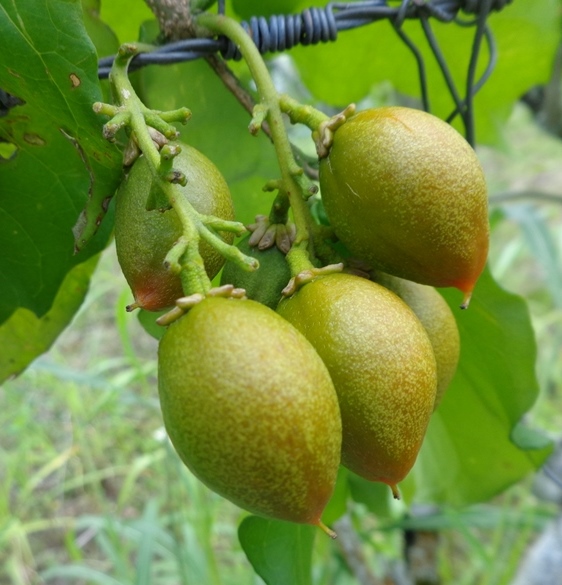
{"x": 382, "y": 366}
{"x": 439, "y": 323}
{"x": 264, "y": 284}
{"x": 143, "y": 238}
{"x": 404, "y": 191}
{"x": 251, "y": 409}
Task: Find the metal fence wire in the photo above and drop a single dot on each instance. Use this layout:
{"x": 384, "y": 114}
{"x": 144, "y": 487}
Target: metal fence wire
{"x": 279, "y": 33}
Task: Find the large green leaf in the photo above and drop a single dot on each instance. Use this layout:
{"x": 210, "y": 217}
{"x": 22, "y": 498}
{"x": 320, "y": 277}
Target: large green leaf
{"x": 475, "y": 446}
{"x": 24, "y": 336}
{"x": 248, "y": 8}
{"x": 101, "y": 34}
{"x": 219, "y": 129}
{"x": 61, "y": 161}
{"x": 526, "y": 34}
{"x": 125, "y": 18}
{"x": 280, "y": 552}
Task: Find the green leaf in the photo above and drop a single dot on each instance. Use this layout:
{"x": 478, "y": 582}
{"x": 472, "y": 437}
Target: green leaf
{"x": 542, "y": 244}
{"x": 125, "y": 18}
{"x": 280, "y": 552}
{"x": 528, "y": 438}
{"x": 147, "y": 545}
{"x": 480, "y": 516}
{"x": 61, "y": 160}
{"x": 148, "y": 321}
{"x": 219, "y": 129}
{"x": 526, "y": 34}
{"x": 248, "y": 8}
{"x": 375, "y": 495}
{"x": 101, "y": 35}
{"x": 24, "y": 336}
{"x": 73, "y": 573}
{"x": 337, "y": 506}
{"x": 470, "y": 452}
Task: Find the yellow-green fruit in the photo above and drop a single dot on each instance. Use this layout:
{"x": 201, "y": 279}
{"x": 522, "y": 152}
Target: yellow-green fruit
{"x": 143, "y": 238}
{"x": 382, "y": 365}
{"x": 251, "y": 409}
{"x": 264, "y": 284}
{"x": 404, "y": 191}
{"x": 439, "y": 323}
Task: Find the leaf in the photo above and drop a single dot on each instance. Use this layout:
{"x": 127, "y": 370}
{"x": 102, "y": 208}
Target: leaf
{"x": 526, "y": 34}
{"x": 542, "y": 244}
{"x": 101, "y": 35}
{"x": 24, "y": 336}
{"x": 146, "y": 545}
{"x": 480, "y": 516}
{"x": 280, "y": 552}
{"x": 219, "y": 129}
{"x": 148, "y": 321}
{"x": 74, "y": 573}
{"x": 470, "y": 452}
{"x": 125, "y": 18}
{"x": 61, "y": 159}
{"x": 337, "y": 505}
{"x": 375, "y": 495}
{"x": 248, "y": 8}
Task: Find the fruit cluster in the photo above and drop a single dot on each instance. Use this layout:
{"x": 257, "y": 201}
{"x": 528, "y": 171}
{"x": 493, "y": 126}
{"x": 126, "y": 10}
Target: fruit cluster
{"x": 263, "y": 398}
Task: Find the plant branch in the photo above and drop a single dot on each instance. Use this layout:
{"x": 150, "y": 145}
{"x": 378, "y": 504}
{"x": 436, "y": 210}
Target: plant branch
{"x": 269, "y": 103}
{"x": 184, "y": 258}
{"x": 174, "y": 18}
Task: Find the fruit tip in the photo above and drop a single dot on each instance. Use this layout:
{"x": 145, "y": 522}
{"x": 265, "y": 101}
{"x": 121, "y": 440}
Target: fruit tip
{"x": 395, "y": 491}
{"x": 325, "y": 529}
{"x": 466, "y": 300}
{"x": 132, "y": 307}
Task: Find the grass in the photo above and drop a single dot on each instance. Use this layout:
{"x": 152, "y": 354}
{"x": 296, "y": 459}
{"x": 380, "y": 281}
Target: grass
{"x": 92, "y": 493}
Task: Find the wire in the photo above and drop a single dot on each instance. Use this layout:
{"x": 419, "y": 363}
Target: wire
{"x": 311, "y": 26}
{"x": 315, "y": 25}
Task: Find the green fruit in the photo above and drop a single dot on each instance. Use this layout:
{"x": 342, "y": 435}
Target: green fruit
{"x": 143, "y": 238}
{"x": 382, "y": 365}
{"x": 251, "y": 409}
{"x": 404, "y": 191}
{"x": 439, "y": 323}
{"x": 264, "y": 284}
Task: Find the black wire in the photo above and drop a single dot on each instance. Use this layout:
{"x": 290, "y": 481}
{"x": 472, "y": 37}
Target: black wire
{"x": 281, "y": 32}
{"x": 441, "y": 61}
{"x": 314, "y": 25}
{"x": 420, "y": 64}
{"x": 492, "y": 61}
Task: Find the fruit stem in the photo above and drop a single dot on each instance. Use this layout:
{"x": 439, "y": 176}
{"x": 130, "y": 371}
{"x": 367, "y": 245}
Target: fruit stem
{"x": 325, "y": 529}
{"x": 301, "y": 114}
{"x": 395, "y": 491}
{"x": 292, "y": 176}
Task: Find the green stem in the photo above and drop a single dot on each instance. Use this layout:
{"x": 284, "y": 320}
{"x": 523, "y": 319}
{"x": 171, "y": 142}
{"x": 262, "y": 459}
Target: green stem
{"x": 193, "y": 275}
{"x": 280, "y": 209}
{"x": 301, "y": 114}
{"x": 269, "y": 100}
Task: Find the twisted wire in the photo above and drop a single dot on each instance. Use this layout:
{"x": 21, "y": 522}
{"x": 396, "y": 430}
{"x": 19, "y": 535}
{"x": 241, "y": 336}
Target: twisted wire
{"x": 314, "y": 25}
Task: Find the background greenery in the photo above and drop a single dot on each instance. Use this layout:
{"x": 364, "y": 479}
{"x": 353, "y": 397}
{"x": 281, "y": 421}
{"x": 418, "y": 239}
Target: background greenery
{"x": 91, "y": 492}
